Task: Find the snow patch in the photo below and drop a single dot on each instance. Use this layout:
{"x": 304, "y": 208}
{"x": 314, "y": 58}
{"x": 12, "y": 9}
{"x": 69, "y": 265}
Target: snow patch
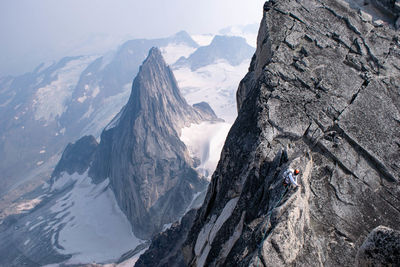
{"x": 92, "y": 228}
{"x": 202, "y": 238}
{"x": 172, "y": 52}
{"x": 203, "y": 39}
{"x": 28, "y": 205}
{"x": 210, "y": 230}
{"x": 35, "y": 225}
{"x": 44, "y": 66}
{"x": 166, "y": 227}
{"x": 95, "y": 91}
{"x": 62, "y": 182}
{"x": 39, "y": 79}
{"x": 105, "y": 116}
{"x": 225, "y": 214}
{"x": 251, "y": 37}
{"x": 205, "y": 141}
{"x": 131, "y": 261}
{"x": 195, "y": 196}
{"x": 82, "y": 99}
{"x": 50, "y": 101}
{"x": 88, "y": 112}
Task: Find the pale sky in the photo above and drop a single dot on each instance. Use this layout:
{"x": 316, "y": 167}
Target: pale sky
{"x": 32, "y": 31}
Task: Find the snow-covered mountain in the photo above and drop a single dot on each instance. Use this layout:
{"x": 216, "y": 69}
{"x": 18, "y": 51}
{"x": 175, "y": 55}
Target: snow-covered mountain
{"x": 232, "y": 49}
{"x": 138, "y": 179}
{"x": 212, "y": 73}
{"x": 58, "y": 102}
{"x": 249, "y": 32}
{"x": 43, "y": 110}
{"x": 78, "y": 96}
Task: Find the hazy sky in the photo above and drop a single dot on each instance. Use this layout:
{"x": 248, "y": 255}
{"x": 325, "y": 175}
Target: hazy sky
{"x": 32, "y": 31}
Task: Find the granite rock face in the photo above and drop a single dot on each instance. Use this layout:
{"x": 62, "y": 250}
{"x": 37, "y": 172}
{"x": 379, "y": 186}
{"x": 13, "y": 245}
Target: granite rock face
{"x": 149, "y": 167}
{"x": 381, "y": 248}
{"x": 322, "y": 95}
{"x": 165, "y": 249}
{"x": 77, "y": 156}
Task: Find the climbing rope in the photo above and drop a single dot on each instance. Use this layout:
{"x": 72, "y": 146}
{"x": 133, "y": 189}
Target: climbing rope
{"x": 269, "y": 213}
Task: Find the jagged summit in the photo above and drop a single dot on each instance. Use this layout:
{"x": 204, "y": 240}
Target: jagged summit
{"x": 155, "y": 95}
{"x": 153, "y": 80}
{"x": 140, "y": 151}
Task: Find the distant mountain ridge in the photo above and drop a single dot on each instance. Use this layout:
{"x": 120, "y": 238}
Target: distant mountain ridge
{"x": 44, "y": 110}
{"x": 230, "y": 48}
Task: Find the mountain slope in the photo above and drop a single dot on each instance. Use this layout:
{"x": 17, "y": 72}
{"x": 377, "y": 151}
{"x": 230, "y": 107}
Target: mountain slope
{"x": 43, "y": 110}
{"x": 315, "y": 98}
{"x": 105, "y": 199}
{"x": 140, "y": 151}
{"x": 211, "y": 73}
{"x": 321, "y": 95}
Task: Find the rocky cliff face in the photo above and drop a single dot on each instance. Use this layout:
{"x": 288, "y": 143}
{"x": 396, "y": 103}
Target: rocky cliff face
{"x": 322, "y": 95}
{"x": 140, "y": 151}
{"x": 76, "y": 157}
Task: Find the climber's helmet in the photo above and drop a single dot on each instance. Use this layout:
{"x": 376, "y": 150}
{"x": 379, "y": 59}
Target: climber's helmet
{"x": 296, "y": 171}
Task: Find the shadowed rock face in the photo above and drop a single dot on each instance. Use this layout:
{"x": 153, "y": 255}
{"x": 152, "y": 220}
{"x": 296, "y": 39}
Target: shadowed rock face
{"x": 77, "y": 156}
{"x": 140, "y": 151}
{"x": 380, "y": 248}
{"x": 322, "y": 95}
{"x": 165, "y": 249}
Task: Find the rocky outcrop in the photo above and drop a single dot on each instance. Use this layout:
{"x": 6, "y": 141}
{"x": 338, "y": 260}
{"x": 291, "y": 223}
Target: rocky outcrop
{"x": 381, "y": 248}
{"x": 165, "y": 249}
{"x": 149, "y": 167}
{"x": 322, "y": 95}
{"x": 76, "y": 157}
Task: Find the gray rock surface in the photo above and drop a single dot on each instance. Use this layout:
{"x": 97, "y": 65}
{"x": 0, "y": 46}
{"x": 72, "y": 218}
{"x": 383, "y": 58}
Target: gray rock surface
{"x": 380, "y": 248}
{"x": 149, "y": 167}
{"x": 165, "y": 249}
{"x": 322, "y": 95}
{"x": 77, "y": 156}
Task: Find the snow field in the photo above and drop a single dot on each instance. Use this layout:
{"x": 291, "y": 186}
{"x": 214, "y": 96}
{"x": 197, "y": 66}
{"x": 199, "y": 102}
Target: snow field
{"x": 91, "y": 225}
{"x": 205, "y": 141}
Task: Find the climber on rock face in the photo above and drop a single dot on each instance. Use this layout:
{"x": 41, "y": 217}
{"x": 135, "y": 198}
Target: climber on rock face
{"x": 290, "y": 177}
